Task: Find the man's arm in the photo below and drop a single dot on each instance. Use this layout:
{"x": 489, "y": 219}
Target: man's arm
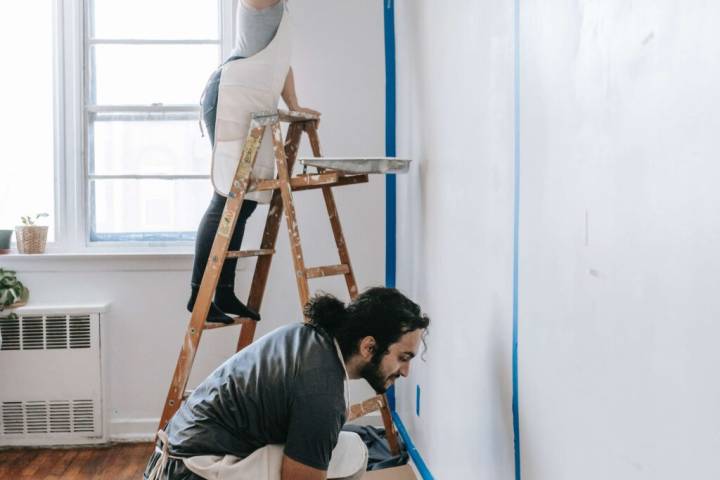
{"x": 292, "y": 470}
{"x": 314, "y": 426}
{"x": 290, "y": 97}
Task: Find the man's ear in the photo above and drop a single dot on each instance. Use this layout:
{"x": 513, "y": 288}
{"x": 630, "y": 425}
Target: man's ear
{"x": 368, "y": 346}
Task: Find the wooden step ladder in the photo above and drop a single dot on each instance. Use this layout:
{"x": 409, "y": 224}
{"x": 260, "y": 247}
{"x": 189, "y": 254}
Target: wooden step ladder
{"x": 283, "y": 187}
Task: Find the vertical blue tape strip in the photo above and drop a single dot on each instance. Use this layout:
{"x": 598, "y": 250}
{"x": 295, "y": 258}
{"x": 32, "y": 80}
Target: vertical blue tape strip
{"x": 516, "y": 237}
{"x": 390, "y": 209}
{"x": 390, "y": 185}
{"x": 390, "y": 147}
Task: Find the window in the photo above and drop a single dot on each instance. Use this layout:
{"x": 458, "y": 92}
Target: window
{"x": 101, "y": 123}
{"x": 27, "y": 124}
{"x": 147, "y": 165}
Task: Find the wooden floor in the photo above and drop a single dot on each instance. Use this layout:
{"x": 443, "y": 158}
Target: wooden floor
{"x": 123, "y": 461}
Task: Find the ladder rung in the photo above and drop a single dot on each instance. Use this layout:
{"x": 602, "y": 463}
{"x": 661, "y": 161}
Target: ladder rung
{"x": 186, "y": 394}
{"x": 236, "y": 321}
{"x": 368, "y": 406}
{"x": 297, "y": 181}
{"x": 326, "y": 271}
{"x": 342, "y": 180}
{"x": 307, "y": 182}
{"x": 249, "y": 253}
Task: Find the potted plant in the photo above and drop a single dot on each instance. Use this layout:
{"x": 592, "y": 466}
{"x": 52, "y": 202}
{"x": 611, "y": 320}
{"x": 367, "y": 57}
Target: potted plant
{"x": 12, "y": 292}
{"x": 5, "y": 236}
{"x": 31, "y": 238}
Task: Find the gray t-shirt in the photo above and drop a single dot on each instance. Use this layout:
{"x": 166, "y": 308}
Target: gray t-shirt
{"x": 285, "y": 388}
{"x": 255, "y": 28}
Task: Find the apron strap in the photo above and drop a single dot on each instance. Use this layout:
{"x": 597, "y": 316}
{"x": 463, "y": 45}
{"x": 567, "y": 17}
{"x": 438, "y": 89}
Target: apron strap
{"x": 159, "y": 467}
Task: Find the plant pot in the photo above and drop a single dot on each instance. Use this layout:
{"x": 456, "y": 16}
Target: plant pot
{"x": 31, "y": 239}
{"x": 5, "y": 236}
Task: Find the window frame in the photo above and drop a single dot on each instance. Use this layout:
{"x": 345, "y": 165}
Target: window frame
{"x": 72, "y": 121}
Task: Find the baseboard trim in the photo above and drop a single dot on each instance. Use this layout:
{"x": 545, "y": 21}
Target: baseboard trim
{"x": 133, "y": 429}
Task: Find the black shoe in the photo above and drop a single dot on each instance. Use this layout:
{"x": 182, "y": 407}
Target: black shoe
{"x": 226, "y": 301}
{"x": 214, "y": 314}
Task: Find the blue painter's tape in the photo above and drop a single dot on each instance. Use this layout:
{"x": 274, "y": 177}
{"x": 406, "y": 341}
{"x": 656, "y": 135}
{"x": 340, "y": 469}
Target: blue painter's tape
{"x": 412, "y": 451}
{"x": 390, "y": 186}
{"x": 417, "y": 400}
{"x": 516, "y": 242}
{"x": 390, "y": 143}
{"x": 391, "y": 397}
{"x": 390, "y": 230}
{"x": 390, "y": 209}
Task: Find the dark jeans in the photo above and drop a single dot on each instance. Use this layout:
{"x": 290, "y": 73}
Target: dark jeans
{"x": 210, "y": 221}
{"x": 206, "y": 235}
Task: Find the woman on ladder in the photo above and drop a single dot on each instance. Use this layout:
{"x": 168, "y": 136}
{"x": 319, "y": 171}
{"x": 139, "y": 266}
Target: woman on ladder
{"x": 252, "y": 79}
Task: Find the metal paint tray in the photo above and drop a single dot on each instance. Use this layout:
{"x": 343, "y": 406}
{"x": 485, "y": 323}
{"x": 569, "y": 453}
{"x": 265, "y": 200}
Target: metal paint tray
{"x": 359, "y": 164}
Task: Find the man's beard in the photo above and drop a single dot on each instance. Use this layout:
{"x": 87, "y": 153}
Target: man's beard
{"x": 374, "y": 376}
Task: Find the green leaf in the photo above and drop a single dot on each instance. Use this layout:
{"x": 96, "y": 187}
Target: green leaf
{"x": 11, "y": 289}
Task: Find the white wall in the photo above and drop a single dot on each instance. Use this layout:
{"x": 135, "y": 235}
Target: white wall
{"x": 455, "y": 229}
{"x": 339, "y": 69}
{"x": 618, "y": 236}
{"x": 620, "y": 227}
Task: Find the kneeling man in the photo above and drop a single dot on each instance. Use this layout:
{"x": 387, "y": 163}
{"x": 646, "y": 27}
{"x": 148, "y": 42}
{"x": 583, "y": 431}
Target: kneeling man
{"x": 274, "y": 410}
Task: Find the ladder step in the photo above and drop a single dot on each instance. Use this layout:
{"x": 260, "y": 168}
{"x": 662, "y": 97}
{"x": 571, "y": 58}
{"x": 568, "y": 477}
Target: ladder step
{"x": 291, "y": 116}
{"x": 368, "y": 406}
{"x": 249, "y": 253}
{"x": 341, "y": 181}
{"x": 297, "y": 181}
{"x": 308, "y": 182}
{"x": 326, "y": 271}
{"x": 236, "y": 321}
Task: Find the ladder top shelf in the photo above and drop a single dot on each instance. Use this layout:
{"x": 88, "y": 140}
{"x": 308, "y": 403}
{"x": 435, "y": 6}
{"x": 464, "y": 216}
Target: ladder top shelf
{"x": 270, "y": 117}
{"x": 365, "y": 165}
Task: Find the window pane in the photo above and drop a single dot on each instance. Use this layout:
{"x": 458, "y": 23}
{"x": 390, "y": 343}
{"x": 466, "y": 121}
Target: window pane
{"x": 26, "y": 125}
{"x": 147, "y": 74}
{"x": 148, "y": 209}
{"x": 156, "y": 19}
{"x": 139, "y": 144}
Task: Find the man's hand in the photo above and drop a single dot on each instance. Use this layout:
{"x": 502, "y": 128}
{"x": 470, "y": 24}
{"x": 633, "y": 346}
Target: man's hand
{"x": 292, "y": 470}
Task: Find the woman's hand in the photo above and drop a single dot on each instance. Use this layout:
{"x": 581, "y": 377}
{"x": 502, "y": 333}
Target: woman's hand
{"x": 290, "y": 98}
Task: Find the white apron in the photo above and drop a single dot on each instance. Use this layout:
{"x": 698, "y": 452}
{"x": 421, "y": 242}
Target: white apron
{"x": 249, "y": 85}
{"x": 349, "y": 458}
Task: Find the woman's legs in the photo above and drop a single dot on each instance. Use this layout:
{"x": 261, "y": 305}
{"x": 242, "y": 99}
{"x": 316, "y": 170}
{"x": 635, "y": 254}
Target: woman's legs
{"x": 225, "y": 299}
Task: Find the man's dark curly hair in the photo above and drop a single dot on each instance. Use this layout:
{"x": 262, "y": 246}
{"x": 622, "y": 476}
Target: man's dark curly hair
{"x": 382, "y": 313}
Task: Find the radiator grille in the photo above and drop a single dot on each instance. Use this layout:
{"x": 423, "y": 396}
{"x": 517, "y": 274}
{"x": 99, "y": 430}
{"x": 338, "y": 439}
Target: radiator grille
{"x": 43, "y": 417}
{"x": 45, "y": 332}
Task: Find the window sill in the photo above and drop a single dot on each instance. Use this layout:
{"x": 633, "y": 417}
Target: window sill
{"x": 99, "y": 308}
{"x": 99, "y": 261}
{"x": 97, "y": 255}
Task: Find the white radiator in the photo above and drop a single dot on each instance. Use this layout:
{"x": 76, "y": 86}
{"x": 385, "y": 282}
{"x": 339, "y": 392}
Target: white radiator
{"x": 51, "y": 388}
